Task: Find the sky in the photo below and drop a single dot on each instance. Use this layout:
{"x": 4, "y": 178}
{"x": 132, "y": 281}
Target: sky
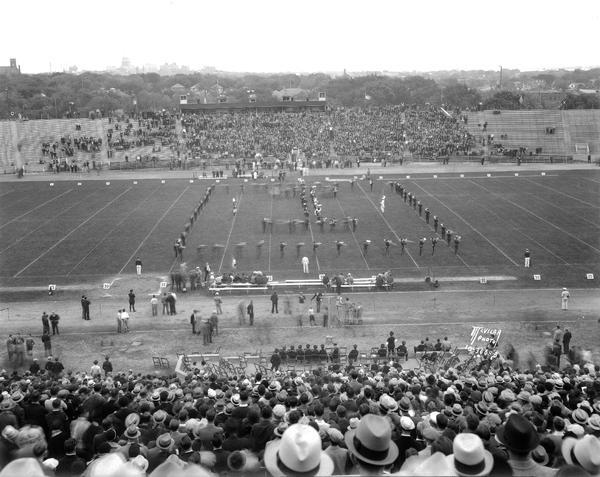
{"x": 304, "y": 36}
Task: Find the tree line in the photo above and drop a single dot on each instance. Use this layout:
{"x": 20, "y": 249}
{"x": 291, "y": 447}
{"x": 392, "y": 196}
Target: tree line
{"x": 68, "y": 95}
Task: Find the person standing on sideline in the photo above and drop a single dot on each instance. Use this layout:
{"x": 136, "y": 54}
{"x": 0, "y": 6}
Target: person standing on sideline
{"x": 218, "y": 303}
{"x": 565, "y": 299}
{"x": 304, "y": 264}
{"x": 250, "y": 311}
{"x": 154, "y": 305}
{"x": 193, "y": 320}
{"x": 527, "y": 256}
{"x": 274, "y": 302}
{"x": 54, "y": 319}
{"x": 119, "y": 321}
{"x": 45, "y": 323}
{"x": 85, "y": 307}
{"x": 318, "y": 296}
{"x": 311, "y": 317}
{"x": 165, "y": 304}
{"x": 131, "y": 297}
{"x": 138, "y": 267}
{"x": 325, "y": 317}
{"x": 566, "y": 341}
{"x": 107, "y": 366}
{"x": 557, "y": 335}
{"x": 241, "y": 312}
{"x": 47, "y": 344}
{"x": 125, "y": 321}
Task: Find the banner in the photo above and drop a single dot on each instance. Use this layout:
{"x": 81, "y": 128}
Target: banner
{"x": 480, "y": 337}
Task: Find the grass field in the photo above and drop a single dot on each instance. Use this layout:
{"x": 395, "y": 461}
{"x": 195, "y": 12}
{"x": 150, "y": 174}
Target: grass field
{"x": 91, "y": 233}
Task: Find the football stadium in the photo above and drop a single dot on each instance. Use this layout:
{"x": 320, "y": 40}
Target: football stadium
{"x": 367, "y": 275}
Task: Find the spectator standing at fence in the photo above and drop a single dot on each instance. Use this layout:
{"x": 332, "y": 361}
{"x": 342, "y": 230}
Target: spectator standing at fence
{"x": 193, "y": 321}
{"x": 391, "y": 344}
{"x": 154, "y": 305}
{"x": 138, "y": 267}
{"x": 54, "y": 319}
{"x": 274, "y": 302}
{"x": 318, "y": 297}
{"x": 564, "y": 296}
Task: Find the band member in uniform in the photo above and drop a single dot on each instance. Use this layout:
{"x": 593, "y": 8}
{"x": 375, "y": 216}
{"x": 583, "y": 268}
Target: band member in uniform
{"x": 434, "y": 241}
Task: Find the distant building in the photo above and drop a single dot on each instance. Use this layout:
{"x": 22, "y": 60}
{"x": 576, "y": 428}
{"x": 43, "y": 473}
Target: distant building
{"x": 291, "y": 94}
{"x": 12, "y": 69}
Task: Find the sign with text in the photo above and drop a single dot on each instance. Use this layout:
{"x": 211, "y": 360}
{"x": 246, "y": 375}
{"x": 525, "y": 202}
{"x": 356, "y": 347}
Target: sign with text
{"x": 481, "y": 336}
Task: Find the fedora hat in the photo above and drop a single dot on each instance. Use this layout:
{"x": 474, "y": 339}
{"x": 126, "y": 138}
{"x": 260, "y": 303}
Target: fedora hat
{"x": 594, "y": 422}
{"x": 469, "y": 458}
{"x": 584, "y": 452}
{"x": 579, "y": 416}
{"x": 518, "y": 434}
{"x": 7, "y": 404}
{"x": 164, "y": 441}
{"x": 387, "y": 403}
{"x": 298, "y": 452}
{"x": 371, "y": 441}
{"x": 540, "y": 455}
{"x": 132, "y": 432}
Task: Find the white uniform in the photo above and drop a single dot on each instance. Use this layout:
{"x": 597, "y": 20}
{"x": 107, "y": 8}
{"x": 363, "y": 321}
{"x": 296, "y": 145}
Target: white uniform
{"x": 305, "y": 264}
{"x": 565, "y": 299}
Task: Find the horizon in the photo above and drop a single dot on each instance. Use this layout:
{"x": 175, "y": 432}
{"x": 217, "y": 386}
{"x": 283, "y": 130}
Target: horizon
{"x": 320, "y": 37}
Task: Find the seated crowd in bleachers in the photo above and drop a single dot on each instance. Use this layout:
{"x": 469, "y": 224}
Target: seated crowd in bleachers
{"x": 326, "y": 420}
{"x": 389, "y": 130}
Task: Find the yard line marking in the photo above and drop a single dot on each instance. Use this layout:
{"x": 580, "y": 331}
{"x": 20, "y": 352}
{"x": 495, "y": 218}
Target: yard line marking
{"x": 71, "y": 232}
{"x": 143, "y": 202}
{"x": 41, "y": 226}
{"x": 469, "y": 225}
{"x": 538, "y": 217}
{"x": 387, "y": 223}
{"x": 565, "y": 194}
{"x": 152, "y": 229}
{"x": 239, "y": 203}
{"x": 353, "y": 235}
{"x": 35, "y": 208}
{"x": 563, "y": 210}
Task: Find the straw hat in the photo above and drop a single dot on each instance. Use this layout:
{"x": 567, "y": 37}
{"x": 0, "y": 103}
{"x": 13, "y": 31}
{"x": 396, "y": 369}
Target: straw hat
{"x": 469, "y": 458}
{"x": 298, "y": 452}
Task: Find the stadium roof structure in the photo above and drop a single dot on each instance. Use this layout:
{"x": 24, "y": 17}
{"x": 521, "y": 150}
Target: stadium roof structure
{"x": 281, "y": 106}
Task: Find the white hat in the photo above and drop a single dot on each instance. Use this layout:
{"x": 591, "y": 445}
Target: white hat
{"x": 298, "y": 452}
{"x": 469, "y": 458}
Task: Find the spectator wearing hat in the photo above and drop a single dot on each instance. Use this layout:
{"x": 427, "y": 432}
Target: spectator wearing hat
{"x": 520, "y": 438}
{"x": 243, "y": 462}
{"x": 370, "y": 445}
{"x": 159, "y": 454}
{"x": 339, "y": 455}
{"x": 583, "y": 453}
{"x": 297, "y": 452}
{"x": 132, "y": 435}
{"x": 469, "y": 458}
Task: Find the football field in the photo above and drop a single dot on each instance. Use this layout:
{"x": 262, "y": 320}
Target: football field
{"x": 91, "y": 231}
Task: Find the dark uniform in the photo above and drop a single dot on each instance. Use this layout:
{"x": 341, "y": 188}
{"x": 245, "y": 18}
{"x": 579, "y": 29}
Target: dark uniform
{"x": 426, "y": 215}
{"x": 436, "y": 221}
{"x": 421, "y": 243}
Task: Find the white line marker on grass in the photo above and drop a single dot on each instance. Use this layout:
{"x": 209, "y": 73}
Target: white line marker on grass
{"x": 72, "y": 231}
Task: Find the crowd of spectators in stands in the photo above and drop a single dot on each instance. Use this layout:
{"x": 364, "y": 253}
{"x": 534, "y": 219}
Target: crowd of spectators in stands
{"x": 374, "y": 132}
{"x": 329, "y": 421}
